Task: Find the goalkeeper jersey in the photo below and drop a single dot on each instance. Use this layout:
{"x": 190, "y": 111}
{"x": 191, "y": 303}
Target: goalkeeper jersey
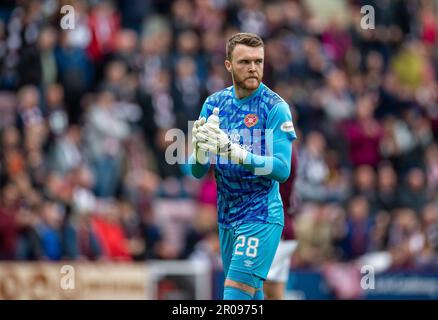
{"x": 255, "y": 122}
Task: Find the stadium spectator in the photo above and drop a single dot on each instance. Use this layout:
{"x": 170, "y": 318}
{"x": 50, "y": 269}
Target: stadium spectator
{"x": 413, "y": 194}
{"x": 358, "y": 228}
{"x": 363, "y": 134}
{"x": 105, "y": 133}
{"x": 388, "y": 194}
{"x": 8, "y": 221}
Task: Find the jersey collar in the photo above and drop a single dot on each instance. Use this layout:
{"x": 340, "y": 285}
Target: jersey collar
{"x": 246, "y": 99}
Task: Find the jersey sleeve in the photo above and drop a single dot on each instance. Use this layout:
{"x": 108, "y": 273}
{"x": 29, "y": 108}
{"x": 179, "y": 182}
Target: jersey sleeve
{"x": 207, "y": 109}
{"x": 280, "y": 122}
{"x": 279, "y": 136}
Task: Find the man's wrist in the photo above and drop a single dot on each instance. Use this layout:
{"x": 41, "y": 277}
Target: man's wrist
{"x": 200, "y": 156}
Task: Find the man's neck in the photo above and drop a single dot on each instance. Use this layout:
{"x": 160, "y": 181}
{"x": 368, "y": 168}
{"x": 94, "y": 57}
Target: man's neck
{"x": 243, "y": 93}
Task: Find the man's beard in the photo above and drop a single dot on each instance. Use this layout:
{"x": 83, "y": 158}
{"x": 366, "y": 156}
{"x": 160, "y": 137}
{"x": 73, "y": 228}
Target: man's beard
{"x": 241, "y": 82}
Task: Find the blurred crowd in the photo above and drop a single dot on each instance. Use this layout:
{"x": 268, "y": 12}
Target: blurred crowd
{"x": 84, "y": 114}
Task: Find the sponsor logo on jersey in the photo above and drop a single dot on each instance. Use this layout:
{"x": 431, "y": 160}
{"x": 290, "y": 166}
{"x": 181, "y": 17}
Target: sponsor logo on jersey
{"x": 251, "y": 120}
{"x": 248, "y": 263}
{"x": 287, "y": 126}
{"x": 234, "y": 137}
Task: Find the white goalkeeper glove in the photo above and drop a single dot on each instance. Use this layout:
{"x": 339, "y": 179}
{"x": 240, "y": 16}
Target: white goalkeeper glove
{"x": 211, "y": 138}
{"x": 201, "y": 156}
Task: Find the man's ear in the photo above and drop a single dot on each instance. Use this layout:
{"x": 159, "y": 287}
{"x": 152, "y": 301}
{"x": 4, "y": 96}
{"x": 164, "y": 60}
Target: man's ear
{"x": 228, "y": 65}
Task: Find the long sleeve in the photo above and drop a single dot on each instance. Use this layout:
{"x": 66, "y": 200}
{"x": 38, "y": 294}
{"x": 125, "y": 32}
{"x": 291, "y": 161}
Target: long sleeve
{"x": 275, "y": 167}
{"x": 279, "y": 136}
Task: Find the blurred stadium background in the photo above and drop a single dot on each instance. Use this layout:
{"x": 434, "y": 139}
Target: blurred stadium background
{"x": 83, "y": 118}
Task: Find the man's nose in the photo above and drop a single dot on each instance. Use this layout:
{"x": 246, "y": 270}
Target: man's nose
{"x": 252, "y": 66}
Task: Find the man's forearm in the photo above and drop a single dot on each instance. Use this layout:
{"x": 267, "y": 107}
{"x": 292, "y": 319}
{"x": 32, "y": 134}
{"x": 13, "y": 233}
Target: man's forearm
{"x": 275, "y": 167}
{"x": 268, "y": 166}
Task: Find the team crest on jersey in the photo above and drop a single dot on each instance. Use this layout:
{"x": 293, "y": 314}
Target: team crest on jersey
{"x": 251, "y": 120}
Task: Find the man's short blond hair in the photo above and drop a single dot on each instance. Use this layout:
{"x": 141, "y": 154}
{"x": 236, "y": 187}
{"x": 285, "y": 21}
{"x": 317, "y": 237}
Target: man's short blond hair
{"x": 245, "y": 38}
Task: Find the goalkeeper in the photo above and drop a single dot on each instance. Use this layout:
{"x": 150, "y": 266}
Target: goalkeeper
{"x": 247, "y": 130}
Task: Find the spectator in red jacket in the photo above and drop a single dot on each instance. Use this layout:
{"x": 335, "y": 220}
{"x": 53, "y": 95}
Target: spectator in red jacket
{"x": 363, "y": 134}
{"x": 8, "y": 221}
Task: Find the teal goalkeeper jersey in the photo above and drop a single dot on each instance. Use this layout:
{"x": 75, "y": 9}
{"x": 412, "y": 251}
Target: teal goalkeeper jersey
{"x": 259, "y": 123}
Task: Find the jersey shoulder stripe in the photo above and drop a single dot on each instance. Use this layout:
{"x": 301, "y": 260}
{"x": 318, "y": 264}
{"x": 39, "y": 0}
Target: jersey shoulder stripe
{"x": 216, "y": 97}
{"x": 271, "y": 98}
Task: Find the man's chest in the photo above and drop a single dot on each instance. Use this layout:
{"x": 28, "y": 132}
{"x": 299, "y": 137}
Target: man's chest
{"x": 245, "y": 125}
{"x": 248, "y": 117}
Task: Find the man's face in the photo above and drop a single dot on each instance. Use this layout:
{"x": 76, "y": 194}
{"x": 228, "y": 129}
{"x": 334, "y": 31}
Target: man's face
{"x": 246, "y": 66}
